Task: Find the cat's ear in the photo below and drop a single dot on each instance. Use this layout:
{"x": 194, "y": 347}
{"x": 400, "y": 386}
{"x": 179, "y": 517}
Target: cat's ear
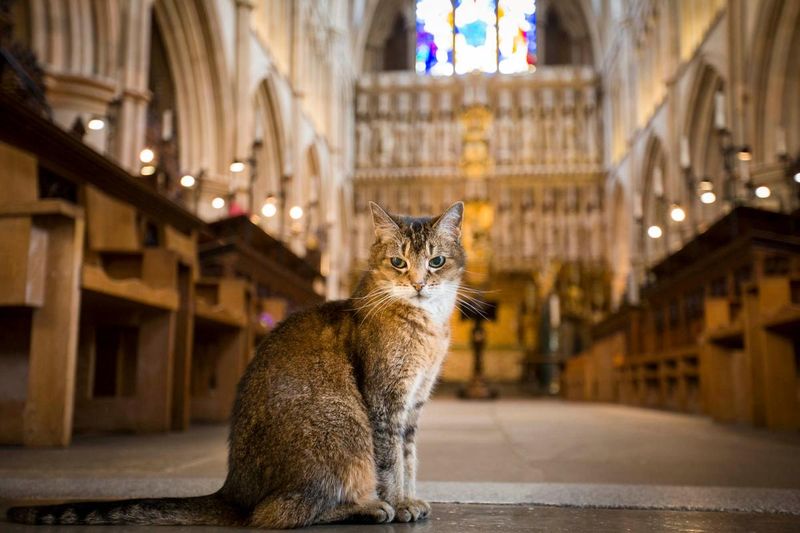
{"x": 385, "y": 226}
{"x": 449, "y": 223}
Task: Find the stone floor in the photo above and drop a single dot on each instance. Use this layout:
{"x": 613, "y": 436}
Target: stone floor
{"x": 482, "y": 518}
{"x": 511, "y": 465}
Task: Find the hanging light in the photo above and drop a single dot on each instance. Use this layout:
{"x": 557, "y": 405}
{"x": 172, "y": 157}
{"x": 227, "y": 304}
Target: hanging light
{"x": 218, "y": 202}
{"x": 708, "y": 197}
{"x": 654, "y": 232}
{"x": 705, "y": 185}
{"x": 797, "y": 178}
{"x": 147, "y": 155}
{"x": 269, "y": 209}
{"x": 147, "y": 170}
{"x": 296, "y": 212}
{"x": 763, "y": 192}
{"x": 96, "y": 124}
{"x": 706, "y": 190}
{"x": 677, "y": 213}
{"x": 237, "y": 166}
{"x": 187, "y": 180}
{"x": 744, "y": 153}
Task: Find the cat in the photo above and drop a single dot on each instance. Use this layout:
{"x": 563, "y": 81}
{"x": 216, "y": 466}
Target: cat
{"x": 324, "y": 424}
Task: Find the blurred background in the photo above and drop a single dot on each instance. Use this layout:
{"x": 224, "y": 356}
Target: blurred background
{"x": 178, "y": 175}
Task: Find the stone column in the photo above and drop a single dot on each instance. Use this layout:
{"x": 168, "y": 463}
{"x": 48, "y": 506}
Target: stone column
{"x": 242, "y": 103}
{"x": 131, "y": 121}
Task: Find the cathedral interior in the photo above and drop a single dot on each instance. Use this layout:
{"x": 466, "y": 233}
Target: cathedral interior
{"x": 178, "y": 176}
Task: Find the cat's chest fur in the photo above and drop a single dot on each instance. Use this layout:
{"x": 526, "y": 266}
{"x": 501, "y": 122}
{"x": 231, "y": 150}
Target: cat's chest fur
{"x": 420, "y": 336}
{"x": 407, "y": 348}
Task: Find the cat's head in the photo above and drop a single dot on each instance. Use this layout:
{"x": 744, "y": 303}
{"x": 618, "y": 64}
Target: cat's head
{"x": 420, "y": 260}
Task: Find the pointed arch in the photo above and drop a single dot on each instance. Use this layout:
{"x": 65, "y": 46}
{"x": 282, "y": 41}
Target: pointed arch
{"x": 205, "y": 102}
{"x": 698, "y": 129}
{"x": 654, "y": 207}
{"x": 381, "y": 24}
{"x": 271, "y": 151}
{"x": 574, "y": 19}
{"x": 775, "y": 79}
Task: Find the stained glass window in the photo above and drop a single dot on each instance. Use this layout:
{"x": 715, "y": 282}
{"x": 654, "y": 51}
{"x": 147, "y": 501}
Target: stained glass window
{"x": 475, "y": 36}
{"x": 516, "y": 28}
{"x": 435, "y": 37}
{"x": 463, "y": 36}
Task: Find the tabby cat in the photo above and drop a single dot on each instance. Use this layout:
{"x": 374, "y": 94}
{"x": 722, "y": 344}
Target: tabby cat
{"x": 324, "y": 423}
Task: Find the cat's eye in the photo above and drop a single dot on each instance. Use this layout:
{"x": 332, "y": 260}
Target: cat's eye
{"x": 436, "y": 262}
{"x": 398, "y": 262}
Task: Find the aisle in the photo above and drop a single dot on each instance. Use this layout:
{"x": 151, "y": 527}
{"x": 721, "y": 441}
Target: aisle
{"x": 513, "y": 455}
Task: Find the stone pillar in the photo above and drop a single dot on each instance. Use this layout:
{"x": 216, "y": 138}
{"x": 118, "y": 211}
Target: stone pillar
{"x": 131, "y": 122}
{"x": 243, "y": 105}
{"x": 76, "y": 97}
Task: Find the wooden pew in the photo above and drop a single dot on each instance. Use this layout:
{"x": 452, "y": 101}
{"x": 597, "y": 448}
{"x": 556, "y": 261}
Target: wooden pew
{"x": 772, "y": 340}
{"x": 574, "y": 378}
{"x": 250, "y": 281}
{"x": 128, "y": 323}
{"x": 221, "y": 346}
{"x": 41, "y": 245}
{"x": 716, "y": 332}
{"x": 118, "y": 361}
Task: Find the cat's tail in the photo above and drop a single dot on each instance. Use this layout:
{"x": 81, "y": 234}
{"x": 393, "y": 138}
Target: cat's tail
{"x": 209, "y": 510}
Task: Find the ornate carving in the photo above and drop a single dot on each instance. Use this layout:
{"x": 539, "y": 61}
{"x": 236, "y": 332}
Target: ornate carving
{"x": 533, "y": 143}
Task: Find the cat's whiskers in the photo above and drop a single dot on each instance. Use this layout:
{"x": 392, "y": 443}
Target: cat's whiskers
{"x": 473, "y": 290}
{"x": 470, "y": 306}
{"x": 378, "y": 308}
{"x": 374, "y": 299}
{"x": 377, "y": 305}
{"x": 369, "y": 300}
{"x": 468, "y": 301}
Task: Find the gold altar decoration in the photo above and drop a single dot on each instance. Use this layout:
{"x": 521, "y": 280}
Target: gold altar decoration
{"x": 476, "y": 233}
{"x": 476, "y": 123}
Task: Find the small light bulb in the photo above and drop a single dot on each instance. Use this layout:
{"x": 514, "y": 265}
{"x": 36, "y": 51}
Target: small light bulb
{"x": 708, "y": 197}
{"x": 188, "y": 180}
{"x": 296, "y": 212}
{"x": 148, "y": 170}
{"x": 237, "y": 166}
{"x": 96, "y": 124}
{"x": 654, "y": 232}
{"x": 763, "y": 191}
{"x": 797, "y": 178}
{"x": 269, "y": 209}
{"x": 745, "y": 154}
{"x": 218, "y": 202}
{"x": 677, "y": 213}
{"x": 147, "y": 155}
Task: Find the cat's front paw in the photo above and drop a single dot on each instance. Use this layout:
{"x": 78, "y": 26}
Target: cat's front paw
{"x": 378, "y": 512}
{"x": 411, "y": 510}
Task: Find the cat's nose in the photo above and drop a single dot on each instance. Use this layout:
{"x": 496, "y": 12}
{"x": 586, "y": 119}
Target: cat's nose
{"x": 418, "y": 285}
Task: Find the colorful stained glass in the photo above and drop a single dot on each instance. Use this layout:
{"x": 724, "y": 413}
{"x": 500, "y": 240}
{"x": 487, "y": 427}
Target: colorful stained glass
{"x": 516, "y": 25}
{"x": 434, "y": 37}
{"x": 476, "y": 36}
{"x": 463, "y": 36}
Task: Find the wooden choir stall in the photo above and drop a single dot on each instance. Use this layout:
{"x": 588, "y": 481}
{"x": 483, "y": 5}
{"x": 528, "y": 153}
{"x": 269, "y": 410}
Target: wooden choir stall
{"x": 717, "y": 332}
{"x": 250, "y": 281}
{"x": 109, "y": 318}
